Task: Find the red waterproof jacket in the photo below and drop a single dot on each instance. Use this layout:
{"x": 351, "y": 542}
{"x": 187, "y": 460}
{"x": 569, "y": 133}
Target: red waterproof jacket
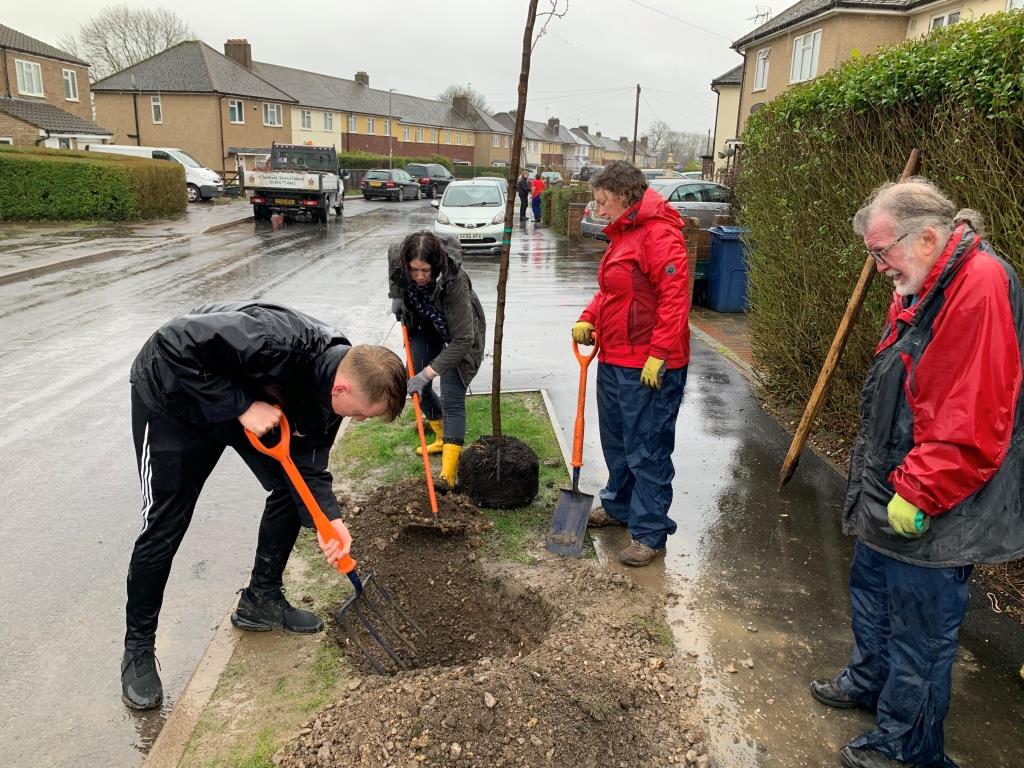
{"x": 642, "y": 306}
{"x": 537, "y": 186}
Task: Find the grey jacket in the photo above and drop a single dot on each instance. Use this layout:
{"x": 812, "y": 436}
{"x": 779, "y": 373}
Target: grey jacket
{"x": 454, "y": 296}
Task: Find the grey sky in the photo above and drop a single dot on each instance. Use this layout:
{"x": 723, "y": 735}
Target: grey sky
{"x": 585, "y": 70}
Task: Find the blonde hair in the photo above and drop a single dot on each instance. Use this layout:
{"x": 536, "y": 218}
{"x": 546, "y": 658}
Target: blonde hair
{"x": 381, "y": 375}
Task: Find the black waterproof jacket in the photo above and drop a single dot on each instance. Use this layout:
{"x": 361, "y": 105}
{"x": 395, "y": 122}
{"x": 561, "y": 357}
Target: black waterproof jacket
{"x": 523, "y": 186}
{"x": 454, "y": 296}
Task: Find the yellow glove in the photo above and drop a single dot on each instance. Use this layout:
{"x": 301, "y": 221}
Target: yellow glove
{"x": 653, "y": 373}
{"x": 582, "y": 333}
{"x": 906, "y": 519}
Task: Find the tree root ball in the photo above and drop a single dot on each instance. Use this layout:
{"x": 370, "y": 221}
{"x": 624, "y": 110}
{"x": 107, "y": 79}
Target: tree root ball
{"x": 499, "y": 472}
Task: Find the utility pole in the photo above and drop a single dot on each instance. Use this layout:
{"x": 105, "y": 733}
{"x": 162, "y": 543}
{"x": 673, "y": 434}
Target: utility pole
{"x": 636, "y": 120}
{"x": 391, "y": 127}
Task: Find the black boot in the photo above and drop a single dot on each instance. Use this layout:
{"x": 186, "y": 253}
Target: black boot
{"x": 830, "y": 694}
{"x": 140, "y": 684}
{"x": 273, "y": 611}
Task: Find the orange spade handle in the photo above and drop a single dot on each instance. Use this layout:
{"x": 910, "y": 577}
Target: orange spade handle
{"x": 419, "y": 424}
{"x": 280, "y": 452}
{"x": 577, "y": 432}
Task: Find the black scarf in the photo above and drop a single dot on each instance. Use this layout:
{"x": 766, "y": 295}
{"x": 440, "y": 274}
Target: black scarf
{"x": 422, "y": 303}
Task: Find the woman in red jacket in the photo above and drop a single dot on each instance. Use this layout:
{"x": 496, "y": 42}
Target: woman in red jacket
{"x": 640, "y": 316}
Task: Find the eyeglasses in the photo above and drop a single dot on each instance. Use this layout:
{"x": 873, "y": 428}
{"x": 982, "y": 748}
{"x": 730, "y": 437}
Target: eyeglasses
{"x": 879, "y": 254}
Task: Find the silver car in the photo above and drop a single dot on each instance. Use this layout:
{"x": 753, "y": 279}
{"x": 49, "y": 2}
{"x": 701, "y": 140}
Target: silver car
{"x": 702, "y": 200}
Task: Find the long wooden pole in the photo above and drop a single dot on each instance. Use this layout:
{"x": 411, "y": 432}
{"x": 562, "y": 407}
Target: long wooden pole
{"x": 853, "y": 308}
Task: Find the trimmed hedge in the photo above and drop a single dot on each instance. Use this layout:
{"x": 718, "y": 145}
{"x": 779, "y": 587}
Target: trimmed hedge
{"x": 471, "y": 171}
{"x": 554, "y": 205}
{"x": 814, "y": 154}
{"x": 64, "y": 185}
{"x": 366, "y": 160}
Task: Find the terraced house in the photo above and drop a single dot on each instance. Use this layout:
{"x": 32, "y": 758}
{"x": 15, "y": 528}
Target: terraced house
{"x": 811, "y": 37}
{"x": 46, "y": 99}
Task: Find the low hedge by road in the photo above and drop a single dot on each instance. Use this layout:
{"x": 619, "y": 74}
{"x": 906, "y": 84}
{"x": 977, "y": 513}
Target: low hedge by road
{"x": 64, "y": 185}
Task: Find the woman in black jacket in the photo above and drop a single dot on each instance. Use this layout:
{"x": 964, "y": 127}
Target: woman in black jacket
{"x": 433, "y": 294}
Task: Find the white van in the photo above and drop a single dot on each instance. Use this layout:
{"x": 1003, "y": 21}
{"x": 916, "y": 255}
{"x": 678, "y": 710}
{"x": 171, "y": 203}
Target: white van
{"x": 203, "y": 183}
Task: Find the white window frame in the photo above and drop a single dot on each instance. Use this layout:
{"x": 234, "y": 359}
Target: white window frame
{"x": 433, "y": 135}
{"x": 419, "y": 135}
{"x": 944, "y": 19}
{"x": 156, "y": 110}
{"x": 761, "y": 70}
{"x": 806, "y": 48}
{"x": 73, "y": 82}
{"x": 1013, "y": 5}
{"x": 328, "y": 121}
{"x": 495, "y": 140}
{"x": 448, "y": 134}
{"x": 275, "y": 111}
{"x": 30, "y": 76}
{"x": 405, "y": 133}
{"x": 371, "y": 125}
{"x": 458, "y": 137}
{"x": 238, "y": 105}
{"x": 306, "y": 119}
{"x": 387, "y": 127}
{"x": 352, "y": 124}
{"x": 6, "y": 140}
{"x": 506, "y": 142}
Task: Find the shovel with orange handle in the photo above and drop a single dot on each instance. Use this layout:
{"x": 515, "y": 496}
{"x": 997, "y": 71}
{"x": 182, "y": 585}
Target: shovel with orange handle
{"x": 569, "y": 523}
{"x": 359, "y": 613}
{"x": 419, "y": 427}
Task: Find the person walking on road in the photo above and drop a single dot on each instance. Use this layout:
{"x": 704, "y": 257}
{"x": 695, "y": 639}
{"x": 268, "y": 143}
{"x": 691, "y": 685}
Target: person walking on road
{"x": 935, "y": 474}
{"x": 198, "y": 383}
{"x": 523, "y": 188}
{"x": 640, "y": 315}
{"x": 432, "y": 293}
{"x": 536, "y": 187}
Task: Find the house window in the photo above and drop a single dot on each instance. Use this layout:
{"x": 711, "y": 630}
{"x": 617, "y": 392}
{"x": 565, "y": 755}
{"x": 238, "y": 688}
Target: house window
{"x": 157, "y": 108}
{"x": 272, "y": 115}
{"x": 1014, "y": 5}
{"x": 448, "y": 137}
{"x": 307, "y": 119}
{"x": 433, "y": 135}
{"x": 30, "y": 78}
{"x": 351, "y": 123}
{"x": 5, "y": 140}
{"x": 371, "y": 125}
{"x": 761, "y": 72}
{"x": 419, "y": 135}
{"x": 405, "y": 133}
{"x": 387, "y": 127}
{"x": 469, "y": 139}
{"x": 236, "y": 111}
{"x": 805, "y": 56}
{"x": 70, "y": 85}
{"x": 458, "y": 137}
{"x": 495, "y": 140}
{"x": 946, "y": 19}
{"x": 328, "y": 121}
{"x": 506, "y": 142}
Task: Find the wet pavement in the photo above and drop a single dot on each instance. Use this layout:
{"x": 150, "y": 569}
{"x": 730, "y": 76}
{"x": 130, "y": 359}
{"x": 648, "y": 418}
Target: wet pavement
{"x": 745, "y": 558}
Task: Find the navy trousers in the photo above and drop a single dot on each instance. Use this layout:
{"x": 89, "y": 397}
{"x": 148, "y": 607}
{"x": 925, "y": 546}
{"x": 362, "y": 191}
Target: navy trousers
{"x": 906, "y": 628}
{"x": 638, "y": 435}
{"x": 426, "y": 345}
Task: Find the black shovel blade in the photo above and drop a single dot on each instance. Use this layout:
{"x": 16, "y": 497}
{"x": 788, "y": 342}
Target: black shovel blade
{"x": 569, "y": 523}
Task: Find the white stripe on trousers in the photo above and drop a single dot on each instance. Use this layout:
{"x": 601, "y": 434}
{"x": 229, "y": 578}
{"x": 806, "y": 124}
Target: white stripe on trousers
{"x": 146, "y": 479}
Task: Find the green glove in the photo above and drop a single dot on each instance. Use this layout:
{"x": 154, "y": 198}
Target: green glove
{"x": 906, "y": 519}
{"x": 582, "y": 333}
{"x": 653, "y": 373}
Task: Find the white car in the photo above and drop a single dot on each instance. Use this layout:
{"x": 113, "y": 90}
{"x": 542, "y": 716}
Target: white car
{"x": 474, "y": 212}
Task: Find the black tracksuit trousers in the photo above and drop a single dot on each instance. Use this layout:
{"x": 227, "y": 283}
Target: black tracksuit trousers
{"x": 175, "y": 459}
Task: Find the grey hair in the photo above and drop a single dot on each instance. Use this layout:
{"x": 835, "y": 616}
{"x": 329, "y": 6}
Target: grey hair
{"x": 914, "y": 205}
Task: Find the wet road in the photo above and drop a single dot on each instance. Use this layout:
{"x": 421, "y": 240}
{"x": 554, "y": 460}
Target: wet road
{"x": 745, "y": 558}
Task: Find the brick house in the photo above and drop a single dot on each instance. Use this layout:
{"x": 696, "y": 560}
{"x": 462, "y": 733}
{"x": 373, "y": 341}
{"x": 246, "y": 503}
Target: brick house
{"x": 46, "y": 99}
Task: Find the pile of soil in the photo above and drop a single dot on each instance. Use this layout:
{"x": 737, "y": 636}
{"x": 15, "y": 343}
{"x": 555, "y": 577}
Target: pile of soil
{"x": 499, "y": 472}
{"x": 407, "y": 504}
{"x": 519, "y": 665}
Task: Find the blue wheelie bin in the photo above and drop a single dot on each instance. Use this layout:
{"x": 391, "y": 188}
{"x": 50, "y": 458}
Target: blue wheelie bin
{"x": 727, "y": 270}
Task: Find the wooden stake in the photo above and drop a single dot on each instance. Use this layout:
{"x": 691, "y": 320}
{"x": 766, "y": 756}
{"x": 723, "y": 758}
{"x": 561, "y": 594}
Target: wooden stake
{"x": 853, "y": 308}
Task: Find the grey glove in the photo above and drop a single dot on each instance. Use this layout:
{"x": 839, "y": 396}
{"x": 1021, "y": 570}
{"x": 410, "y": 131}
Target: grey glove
{"x": 418, "y": 383}
{"x": 398, "y": 309}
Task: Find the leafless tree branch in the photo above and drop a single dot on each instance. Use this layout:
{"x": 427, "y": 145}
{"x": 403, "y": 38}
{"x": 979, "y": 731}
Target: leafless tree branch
{"x": 557, "y": 11}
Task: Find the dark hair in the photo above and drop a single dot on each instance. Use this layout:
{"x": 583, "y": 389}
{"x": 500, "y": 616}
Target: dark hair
{"x": 623, "y": 179}
{"x": 428, "y": 247}
{"x": 381, "y": 375}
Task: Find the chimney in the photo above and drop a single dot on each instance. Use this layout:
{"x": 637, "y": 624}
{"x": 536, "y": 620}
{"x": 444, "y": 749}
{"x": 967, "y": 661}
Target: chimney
{"x": 363, "y": 79}
{"x": 239, "y": 51}
{"x": 598, "y": 134}
{"x": 624, "y": 139}
{"x": 553, "y": 123}
{"x": 585, "y": 128}
{"x": 643, "y": 143}
{"x": 461, "y": 105}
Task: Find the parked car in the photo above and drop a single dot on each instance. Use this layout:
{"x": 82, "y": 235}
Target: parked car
{"x": 592, "y": 225}
{"x": 394, "y": 184}
{"x": 434, "y": 178}
{"x": 659, "y": 173}
{"x": 692, "y": 175}
{"x": 576, "y": 176}
{"x": 201, "y": 182}
{"x": 589, "y": 170}
{"x": 552, "y": 178}
{"x": 501, "y": 182}
{"x": 701, "y": 200}
{"x": 474, "y": 212}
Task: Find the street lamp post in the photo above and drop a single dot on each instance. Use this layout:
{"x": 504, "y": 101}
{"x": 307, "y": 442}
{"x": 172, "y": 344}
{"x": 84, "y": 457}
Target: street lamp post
{"x": 391, "y": 127}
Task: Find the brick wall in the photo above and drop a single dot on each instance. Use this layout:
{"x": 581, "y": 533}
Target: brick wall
{"x": 24, "y": 135}
{"x": 53, "y": 83}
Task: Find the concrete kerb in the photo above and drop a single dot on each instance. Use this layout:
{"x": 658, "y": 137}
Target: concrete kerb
{"x": 170, "y": 744}
{"x": 744, "y": 367}
{"x": 91, "y": 258}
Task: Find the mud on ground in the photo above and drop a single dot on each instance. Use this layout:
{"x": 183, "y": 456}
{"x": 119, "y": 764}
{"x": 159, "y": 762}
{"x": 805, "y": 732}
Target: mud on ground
{"x": 556, "y": 662}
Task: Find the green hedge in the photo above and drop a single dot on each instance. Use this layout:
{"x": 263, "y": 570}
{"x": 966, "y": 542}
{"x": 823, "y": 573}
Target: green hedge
{"x": 364, "y": 160}
{"x": 814, "y": 154}
{"x": 472, "y": 171}
{"x": 64, "y": 185}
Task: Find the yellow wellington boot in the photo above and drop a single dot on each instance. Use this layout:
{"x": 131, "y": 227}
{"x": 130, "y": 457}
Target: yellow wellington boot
{"x": 450, "y": 463}
{"x": 438, "y": 444}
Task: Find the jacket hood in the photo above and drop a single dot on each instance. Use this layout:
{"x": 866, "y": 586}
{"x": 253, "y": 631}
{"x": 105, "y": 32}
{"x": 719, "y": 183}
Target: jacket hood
{"x": 652, "y": 207}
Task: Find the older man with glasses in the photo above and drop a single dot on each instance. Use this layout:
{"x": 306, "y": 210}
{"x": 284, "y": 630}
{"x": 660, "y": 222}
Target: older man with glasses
{"x": 935, "y": 475}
